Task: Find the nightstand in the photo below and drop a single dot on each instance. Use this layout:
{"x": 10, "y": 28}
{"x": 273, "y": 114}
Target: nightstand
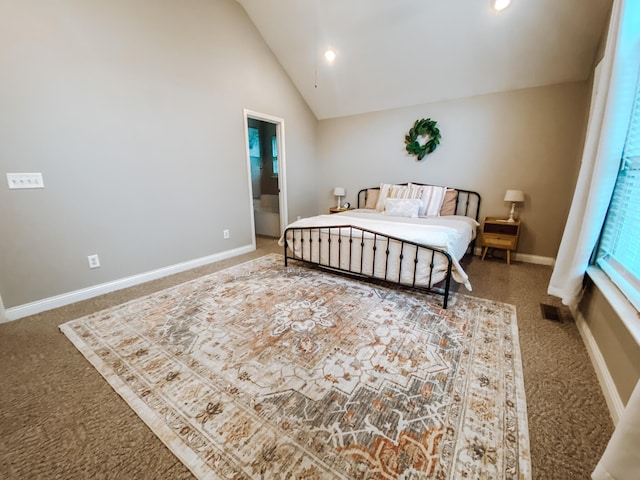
{"x": 338, "y": 210}
{"x": 498, "y": 233}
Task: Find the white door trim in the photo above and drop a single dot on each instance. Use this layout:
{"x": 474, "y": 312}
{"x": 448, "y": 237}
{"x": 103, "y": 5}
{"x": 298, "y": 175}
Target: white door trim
{"x": 282, "y": 178}
{"x": 3, "y": 316}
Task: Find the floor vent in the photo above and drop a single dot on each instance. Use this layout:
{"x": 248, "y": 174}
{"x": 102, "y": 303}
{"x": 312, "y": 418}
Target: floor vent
{"x": 549, "y": 312}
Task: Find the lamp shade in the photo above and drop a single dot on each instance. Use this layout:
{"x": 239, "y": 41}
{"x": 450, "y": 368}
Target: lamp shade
{"x": 514, "y": 196}
{"x": 339, "y": 191}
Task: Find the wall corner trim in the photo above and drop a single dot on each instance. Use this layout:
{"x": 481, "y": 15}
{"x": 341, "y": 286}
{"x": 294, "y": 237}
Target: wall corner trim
{"x": 611, "y": 395}
{"x": 32, "y": 308}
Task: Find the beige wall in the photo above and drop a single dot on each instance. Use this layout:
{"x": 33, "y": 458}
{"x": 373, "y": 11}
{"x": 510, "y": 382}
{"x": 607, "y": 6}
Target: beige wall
{"x": 133, "y": 112}
{"x": 527, "y": 139}
{"x": 620, "y": 351}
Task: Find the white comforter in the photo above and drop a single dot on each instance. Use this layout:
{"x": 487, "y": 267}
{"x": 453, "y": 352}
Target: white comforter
{"x": 450, "y": 233}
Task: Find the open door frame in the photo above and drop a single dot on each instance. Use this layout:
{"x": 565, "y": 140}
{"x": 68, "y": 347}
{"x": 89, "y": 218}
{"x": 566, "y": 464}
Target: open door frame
{"x": 282, "y": 183}
{"x": 3, "y": 316}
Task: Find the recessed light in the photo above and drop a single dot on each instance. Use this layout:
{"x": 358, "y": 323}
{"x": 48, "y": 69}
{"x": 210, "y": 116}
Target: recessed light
{"x": 330, "y": 55}
{"x": 499, "y": 5}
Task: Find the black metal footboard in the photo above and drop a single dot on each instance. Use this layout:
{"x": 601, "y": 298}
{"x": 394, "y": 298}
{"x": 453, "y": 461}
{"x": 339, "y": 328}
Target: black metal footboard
{"x": 363, "y": 253}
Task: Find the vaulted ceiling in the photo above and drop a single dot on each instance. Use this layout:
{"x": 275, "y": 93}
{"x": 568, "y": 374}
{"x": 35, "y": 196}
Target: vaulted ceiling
{"x": 397, "y": 53}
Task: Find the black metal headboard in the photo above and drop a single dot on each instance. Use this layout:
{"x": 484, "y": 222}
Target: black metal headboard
{"x": 467, "y": 201}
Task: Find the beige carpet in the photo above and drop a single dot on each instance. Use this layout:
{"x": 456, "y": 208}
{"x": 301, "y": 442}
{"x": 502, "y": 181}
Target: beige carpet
{"x": 60, "y": 419}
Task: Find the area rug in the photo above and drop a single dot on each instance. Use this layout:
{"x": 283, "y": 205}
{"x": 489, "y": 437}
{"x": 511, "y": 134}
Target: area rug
{"x": 262, "y": 371}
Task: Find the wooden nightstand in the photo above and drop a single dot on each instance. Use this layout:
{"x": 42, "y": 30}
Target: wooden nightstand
{"x": 498, "y": 233}
{"x": 338, "y": 210}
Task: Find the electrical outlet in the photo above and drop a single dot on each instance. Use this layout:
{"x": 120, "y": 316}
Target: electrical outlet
{"x": 226, "y": 234}
{"x": 94, "y": 261}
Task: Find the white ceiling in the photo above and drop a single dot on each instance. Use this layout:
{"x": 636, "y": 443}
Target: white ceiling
{"x": 397, "y": 53}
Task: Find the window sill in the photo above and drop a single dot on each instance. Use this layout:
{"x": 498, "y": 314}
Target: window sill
{"x": 625, "y": 310}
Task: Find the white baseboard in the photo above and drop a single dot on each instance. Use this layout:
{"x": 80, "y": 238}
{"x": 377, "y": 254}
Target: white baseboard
{"x": 614, "y": 402}
{"x": 537, "y": 259}
{"x": 32, "y": 308}
{"x": 524, "y": 257}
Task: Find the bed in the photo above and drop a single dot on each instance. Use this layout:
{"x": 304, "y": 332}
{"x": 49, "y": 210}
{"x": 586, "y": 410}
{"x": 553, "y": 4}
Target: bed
{"x": 411, "y": 234}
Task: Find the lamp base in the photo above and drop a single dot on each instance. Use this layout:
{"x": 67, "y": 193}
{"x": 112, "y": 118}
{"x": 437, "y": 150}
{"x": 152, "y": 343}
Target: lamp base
{"x": 513, "y": 211}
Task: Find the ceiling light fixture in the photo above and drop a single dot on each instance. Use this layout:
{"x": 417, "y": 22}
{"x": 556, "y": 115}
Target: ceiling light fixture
{"x": 330, "y": 55}
{"x": 499, "y": 5}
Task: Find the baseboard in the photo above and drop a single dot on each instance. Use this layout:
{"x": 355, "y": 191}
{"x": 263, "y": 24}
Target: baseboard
{"x": 524, "y": 257}
{"x": 537, "y": 259}
{"x": 32, "y": 308}
{"x": 614, "y": 402}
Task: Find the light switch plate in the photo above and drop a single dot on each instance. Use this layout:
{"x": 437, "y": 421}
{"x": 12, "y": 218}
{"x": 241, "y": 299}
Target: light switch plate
{"x": 24, "y": 180}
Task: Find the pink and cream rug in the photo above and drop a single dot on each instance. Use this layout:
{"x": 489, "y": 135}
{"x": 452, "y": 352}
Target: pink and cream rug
{"x": 263, "y": 371}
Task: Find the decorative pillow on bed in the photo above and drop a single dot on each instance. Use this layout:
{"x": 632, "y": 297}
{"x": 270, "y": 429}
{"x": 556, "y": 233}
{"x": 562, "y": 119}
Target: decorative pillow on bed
{"x": 372, "y": 198}
{"x": 449, "y": 203}
{"x": 388, "y": 190}
{"x": 383, "y": 193}
{"x": 399, "y": 191}
{"x": 431, "y": 197}
{"x": 402, "y": 207}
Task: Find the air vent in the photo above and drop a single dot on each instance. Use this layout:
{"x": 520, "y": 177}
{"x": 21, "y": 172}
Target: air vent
{"x": 549, "y": 312}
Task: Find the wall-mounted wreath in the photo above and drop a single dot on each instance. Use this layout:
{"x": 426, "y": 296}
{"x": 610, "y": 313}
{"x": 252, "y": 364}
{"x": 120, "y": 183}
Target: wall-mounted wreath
{"x": 423, "y": 127}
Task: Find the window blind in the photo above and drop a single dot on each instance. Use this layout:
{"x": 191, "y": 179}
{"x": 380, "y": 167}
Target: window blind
{"x": 619, "y": 250}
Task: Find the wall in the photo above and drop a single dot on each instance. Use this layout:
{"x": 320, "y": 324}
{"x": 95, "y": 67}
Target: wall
{"x": 526, "y": 139}
{"x": 617, "y": 350}
{"x": 133, "y": 112}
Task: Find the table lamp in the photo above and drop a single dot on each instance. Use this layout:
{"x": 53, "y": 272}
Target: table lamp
{"x": 339, "y": 192}
{"x": 513, "y": 196}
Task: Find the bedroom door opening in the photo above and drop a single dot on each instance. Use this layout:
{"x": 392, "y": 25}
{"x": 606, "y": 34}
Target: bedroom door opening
{"x": 265, "y": 157}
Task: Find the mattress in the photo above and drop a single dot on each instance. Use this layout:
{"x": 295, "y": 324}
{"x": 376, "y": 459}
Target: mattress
{"x": 367, "y": 249}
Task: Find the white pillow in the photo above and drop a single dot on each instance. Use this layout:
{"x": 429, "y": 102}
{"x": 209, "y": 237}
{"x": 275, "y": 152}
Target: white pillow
{"x": 382, "y": 196}
{"x": 388, "y": 190}
{"x": 431, "y": 198}
{"x": 402, "y": 207}
{"x": 399, "y": 191}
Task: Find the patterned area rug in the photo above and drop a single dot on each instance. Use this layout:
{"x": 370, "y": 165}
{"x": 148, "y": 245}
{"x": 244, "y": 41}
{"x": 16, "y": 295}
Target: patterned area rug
{"x": 265, "y": 371}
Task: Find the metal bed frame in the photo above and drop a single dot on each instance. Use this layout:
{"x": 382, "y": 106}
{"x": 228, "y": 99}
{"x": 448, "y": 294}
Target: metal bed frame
{"x": 346, "y": 238}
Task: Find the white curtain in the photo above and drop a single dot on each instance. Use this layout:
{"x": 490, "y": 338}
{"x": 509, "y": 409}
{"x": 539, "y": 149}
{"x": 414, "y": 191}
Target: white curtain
{"x": 621, "y": 459}
{"x": 612, "y": 99}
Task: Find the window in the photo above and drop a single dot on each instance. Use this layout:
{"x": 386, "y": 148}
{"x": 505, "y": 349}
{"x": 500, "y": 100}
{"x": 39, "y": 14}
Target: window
{"x": 274, "y": 154}
{"x": 619, "y": 250}
{"x": 254, "y": 142}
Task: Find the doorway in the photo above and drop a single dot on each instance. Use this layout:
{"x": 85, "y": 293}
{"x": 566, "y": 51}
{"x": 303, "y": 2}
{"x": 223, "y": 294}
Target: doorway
{"x": 3, "y": 316}
{"x": 265, "y": 157}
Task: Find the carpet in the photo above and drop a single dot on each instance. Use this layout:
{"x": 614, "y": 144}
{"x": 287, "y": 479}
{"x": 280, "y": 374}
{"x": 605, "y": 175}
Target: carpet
{"x": 266, "y": 371}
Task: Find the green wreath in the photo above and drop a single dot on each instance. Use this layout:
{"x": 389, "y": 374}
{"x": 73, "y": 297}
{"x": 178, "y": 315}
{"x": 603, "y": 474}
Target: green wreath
{"x": 421, "y": 128}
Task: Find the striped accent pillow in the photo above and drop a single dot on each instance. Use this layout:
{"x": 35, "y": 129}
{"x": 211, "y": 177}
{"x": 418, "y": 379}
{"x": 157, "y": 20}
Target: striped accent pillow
{"x": 388, "y": 190}
{"x": 431, "y": 197}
